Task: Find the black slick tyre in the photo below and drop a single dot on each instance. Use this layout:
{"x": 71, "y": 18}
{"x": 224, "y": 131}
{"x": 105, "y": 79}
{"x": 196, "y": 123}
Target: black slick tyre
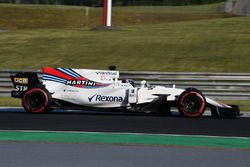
{"x": 36, "y": 100}
{"x": 191, "y": 103}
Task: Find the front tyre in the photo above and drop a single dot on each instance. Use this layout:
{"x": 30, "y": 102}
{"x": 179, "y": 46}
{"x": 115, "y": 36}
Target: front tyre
{"x": 191, "y": 103}
{"x": 36, "y": 100}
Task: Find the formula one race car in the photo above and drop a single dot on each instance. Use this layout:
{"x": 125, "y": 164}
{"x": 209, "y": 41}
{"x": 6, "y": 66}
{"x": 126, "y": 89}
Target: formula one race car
{"x": 102, "y": 89}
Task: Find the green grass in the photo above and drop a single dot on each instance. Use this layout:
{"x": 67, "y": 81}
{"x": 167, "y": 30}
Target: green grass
{"x": 186, "y": 38}
{"x": 56, "y": 16}
{"x": 11, "y": 102}
{"x": 14, "y": 17}
{"x": 217, "y": 45}
{"x": 197, "y": 9}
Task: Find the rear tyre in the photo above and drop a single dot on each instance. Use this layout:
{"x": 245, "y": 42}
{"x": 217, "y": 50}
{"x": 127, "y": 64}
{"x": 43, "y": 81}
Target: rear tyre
{"x": 191, "y": 103}
{"x": 36, "y": 100}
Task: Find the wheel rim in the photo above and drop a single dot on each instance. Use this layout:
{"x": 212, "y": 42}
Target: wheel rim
{"x": 192, "y": 104}
{"x": 36, "y": 100}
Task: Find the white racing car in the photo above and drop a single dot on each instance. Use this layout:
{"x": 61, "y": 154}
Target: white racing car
{"x": 102, "y": 89}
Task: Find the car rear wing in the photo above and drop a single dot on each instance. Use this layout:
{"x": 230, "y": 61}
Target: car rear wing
{"x": 23, "y": 81}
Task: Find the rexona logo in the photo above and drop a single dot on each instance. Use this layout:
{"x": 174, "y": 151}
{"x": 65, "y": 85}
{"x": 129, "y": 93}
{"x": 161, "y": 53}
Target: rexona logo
{"x": 81, "y": 82}
{"x": 101, "y": 98}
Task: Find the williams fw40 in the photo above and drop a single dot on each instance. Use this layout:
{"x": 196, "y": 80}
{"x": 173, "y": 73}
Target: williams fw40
{"x": 102, "y": 89}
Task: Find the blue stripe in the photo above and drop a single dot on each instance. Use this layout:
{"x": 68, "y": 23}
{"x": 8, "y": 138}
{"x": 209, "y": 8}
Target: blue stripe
{"x": 65, "y": 72}
{"x": 72, "y": 71}
{"x": 56, "y": 80}
{"x": 68, "y": 73}
{"x": 54, "y": 77}
{"x": 50, "y": 79}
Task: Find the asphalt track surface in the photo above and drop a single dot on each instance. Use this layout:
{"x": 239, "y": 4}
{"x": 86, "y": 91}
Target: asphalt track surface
{"x": 93, "y": 155}
{"x": 124, "y": 123}
{"x": 38, "y": 154}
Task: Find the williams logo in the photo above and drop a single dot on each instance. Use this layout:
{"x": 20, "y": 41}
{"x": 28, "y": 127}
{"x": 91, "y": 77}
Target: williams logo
{"x": 105, "y": 98}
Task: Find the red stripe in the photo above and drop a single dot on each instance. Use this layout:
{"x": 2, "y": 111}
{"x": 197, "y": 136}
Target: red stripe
{"x": 56, "y": 73}
{"x": 105, "y": 13}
